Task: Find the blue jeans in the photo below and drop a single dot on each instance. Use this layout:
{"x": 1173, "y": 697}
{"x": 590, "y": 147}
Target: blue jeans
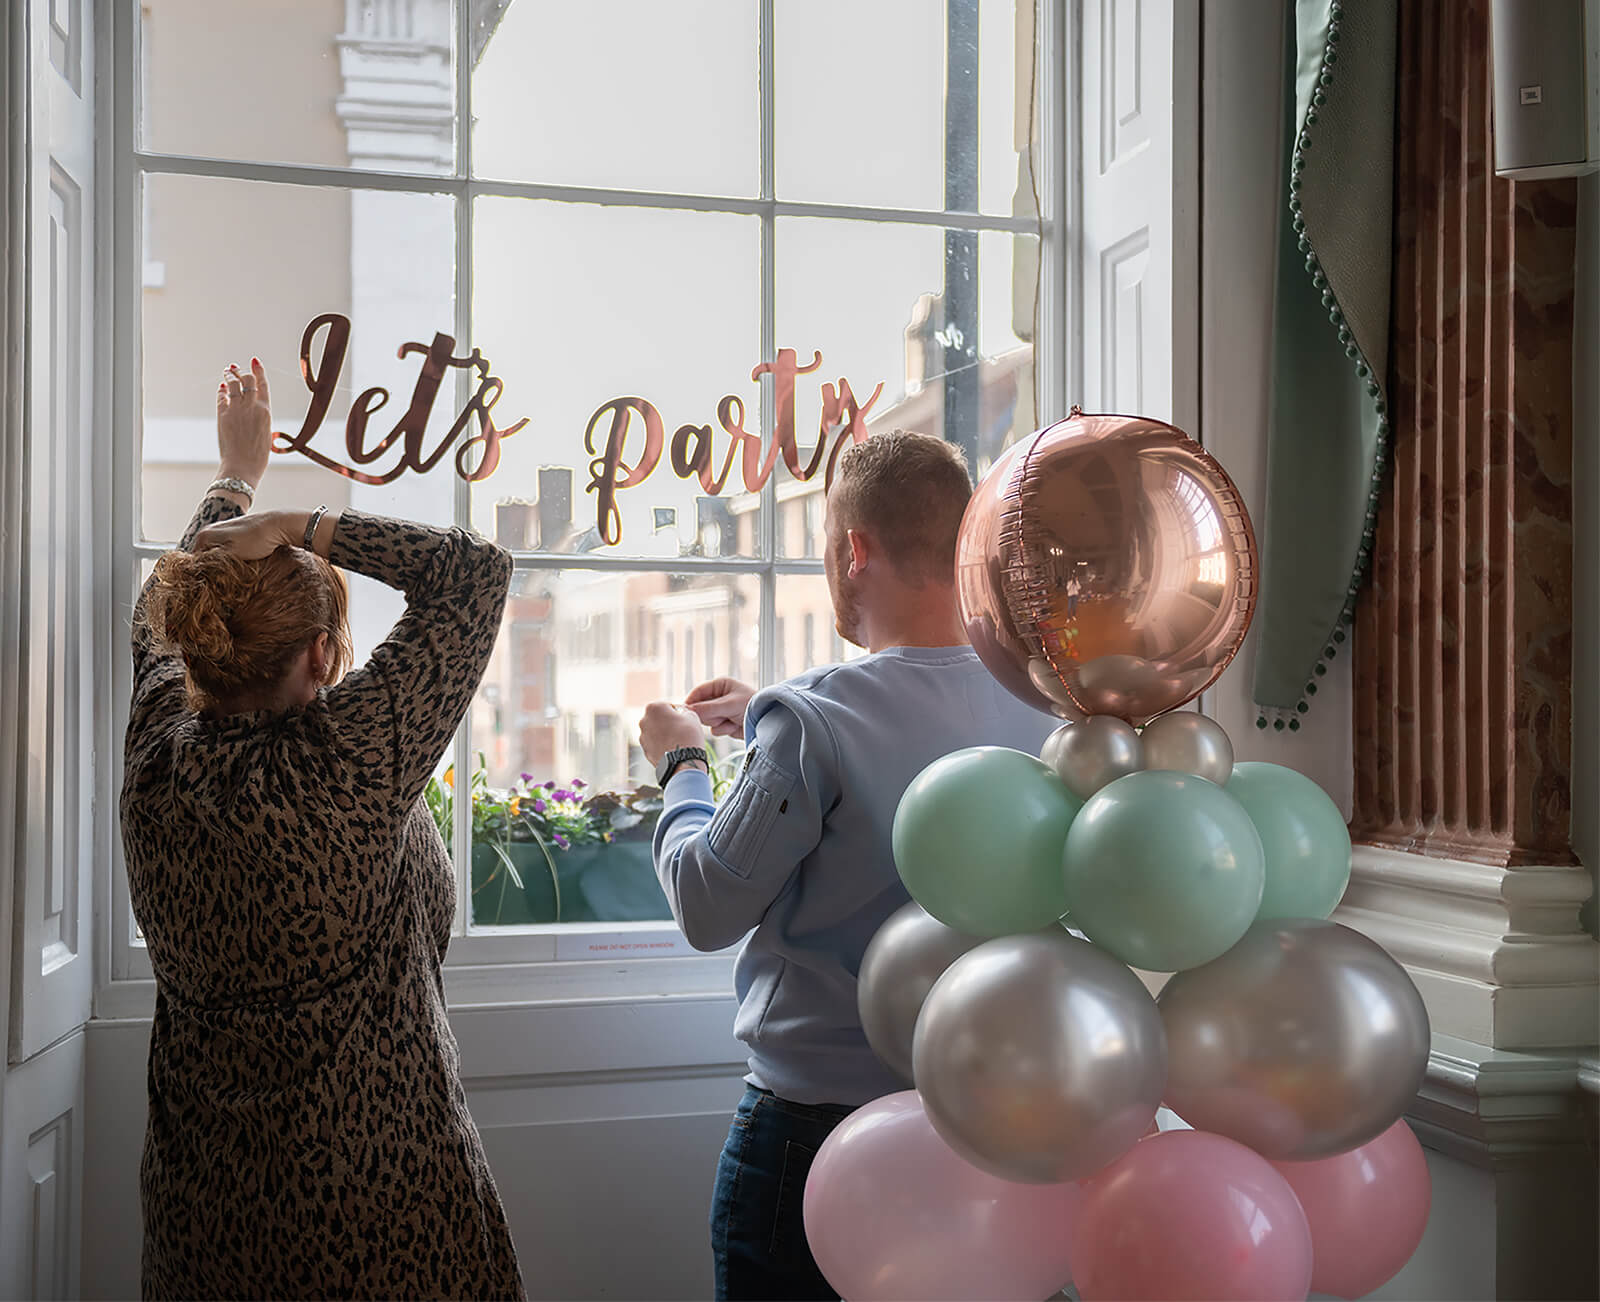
{"x": 758, "y": 1234}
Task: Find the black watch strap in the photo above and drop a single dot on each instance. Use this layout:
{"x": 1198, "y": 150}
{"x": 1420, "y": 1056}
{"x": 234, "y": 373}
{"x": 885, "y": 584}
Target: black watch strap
{"x": 673, "y": 760}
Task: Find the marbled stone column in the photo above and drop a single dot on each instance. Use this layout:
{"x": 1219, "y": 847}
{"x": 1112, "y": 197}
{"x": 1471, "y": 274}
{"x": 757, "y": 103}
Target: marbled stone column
{"x": 1463, "y": 641}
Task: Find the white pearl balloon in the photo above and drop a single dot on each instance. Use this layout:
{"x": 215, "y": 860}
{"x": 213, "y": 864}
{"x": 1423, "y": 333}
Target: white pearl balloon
{"x": 1186, "y": 742}
{"x": 1088, "y": 755}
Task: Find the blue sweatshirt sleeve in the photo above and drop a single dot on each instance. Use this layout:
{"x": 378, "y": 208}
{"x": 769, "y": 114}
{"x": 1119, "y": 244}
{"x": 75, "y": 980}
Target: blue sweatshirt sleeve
{"x": 722, "y": 866}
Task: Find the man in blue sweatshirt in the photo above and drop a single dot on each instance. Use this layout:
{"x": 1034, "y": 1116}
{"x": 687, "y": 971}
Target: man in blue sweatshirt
{"x": 798, "y": 854}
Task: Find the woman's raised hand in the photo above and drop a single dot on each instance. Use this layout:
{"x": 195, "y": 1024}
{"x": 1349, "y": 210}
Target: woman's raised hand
{"x": 244, "y": 423}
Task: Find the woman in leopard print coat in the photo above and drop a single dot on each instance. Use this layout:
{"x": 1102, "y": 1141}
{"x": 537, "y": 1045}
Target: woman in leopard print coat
{"x": 308, "y": 1135}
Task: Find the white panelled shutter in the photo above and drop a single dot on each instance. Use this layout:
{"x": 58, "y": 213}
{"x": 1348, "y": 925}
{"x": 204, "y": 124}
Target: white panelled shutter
{"x": 1138, "y": 232}
{"x": 53, "y": 929}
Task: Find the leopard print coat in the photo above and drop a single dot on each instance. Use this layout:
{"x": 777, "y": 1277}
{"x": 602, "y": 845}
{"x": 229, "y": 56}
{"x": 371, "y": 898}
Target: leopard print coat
{"x": 308, "y": 1135}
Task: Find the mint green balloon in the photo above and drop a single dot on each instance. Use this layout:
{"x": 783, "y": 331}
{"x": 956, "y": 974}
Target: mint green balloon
{"x": 1163, "y": 869}
{"x": 977, "y": 840}
{"x": 1303, "y": 835}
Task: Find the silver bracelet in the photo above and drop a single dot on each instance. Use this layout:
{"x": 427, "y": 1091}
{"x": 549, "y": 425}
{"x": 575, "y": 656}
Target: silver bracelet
{"x": 311, "y": 526}
{"x": 242, "y": 487}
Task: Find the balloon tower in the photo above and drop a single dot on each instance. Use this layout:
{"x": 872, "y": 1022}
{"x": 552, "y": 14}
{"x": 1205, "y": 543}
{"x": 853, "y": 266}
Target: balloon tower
{"x": 1107, "y": 573}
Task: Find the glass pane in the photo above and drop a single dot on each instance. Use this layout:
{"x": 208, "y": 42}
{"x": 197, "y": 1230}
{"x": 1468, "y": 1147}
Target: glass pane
{"x": 579, "y": 305}
{"x": 801, "y": 510}
{"x": 301, "y": 81}
{"x": 879, "y": 137}
{"x": 385, "y": 260}
{"x": 621, "y": 94}
{"x": 556, "y": 728}
{"x": 804, "y": 634}
{"x": 1008, "y": 90}
{"x": 972, "y": 364}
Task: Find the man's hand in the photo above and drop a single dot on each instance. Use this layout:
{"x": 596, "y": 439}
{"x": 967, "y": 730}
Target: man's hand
{"x": 665, "y": 727}
{"x": 720, "y": 705}
{"x": 244, "y": 423}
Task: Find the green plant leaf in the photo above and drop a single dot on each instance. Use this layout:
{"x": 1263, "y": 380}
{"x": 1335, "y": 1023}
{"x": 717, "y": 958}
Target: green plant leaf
{"x": 505, "y": 858}
{"x": 555, "y": 877}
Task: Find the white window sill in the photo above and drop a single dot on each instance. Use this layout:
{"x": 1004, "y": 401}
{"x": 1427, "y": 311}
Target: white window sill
{"x": 518, "y": 969}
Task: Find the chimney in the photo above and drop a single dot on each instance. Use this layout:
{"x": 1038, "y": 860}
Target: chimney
{"x": 513, "y": 523}
{"x": 715, "y": 528}
{"x": 555, "y": 506}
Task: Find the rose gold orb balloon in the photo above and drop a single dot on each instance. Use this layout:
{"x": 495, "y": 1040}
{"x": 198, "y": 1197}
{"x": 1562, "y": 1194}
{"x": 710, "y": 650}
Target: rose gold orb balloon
{"x": 1106, "y": 566}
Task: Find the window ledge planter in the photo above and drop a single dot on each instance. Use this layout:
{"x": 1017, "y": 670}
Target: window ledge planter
{"x": 601, "y": 882}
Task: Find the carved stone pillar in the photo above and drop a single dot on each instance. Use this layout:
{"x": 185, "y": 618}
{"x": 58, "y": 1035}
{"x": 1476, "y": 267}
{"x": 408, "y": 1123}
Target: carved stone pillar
{"x": 1463, "y": 663}
{"x": 1463, "y": 643}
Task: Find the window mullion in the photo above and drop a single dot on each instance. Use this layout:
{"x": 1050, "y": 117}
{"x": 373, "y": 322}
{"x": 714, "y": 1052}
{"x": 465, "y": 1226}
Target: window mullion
{"x": 465, "y": 378}
{"x": 1057, "y": 310}
{"x": 123, "y": 402}
{"x": 767, "y": 655}
{"x": 351, "y": 178}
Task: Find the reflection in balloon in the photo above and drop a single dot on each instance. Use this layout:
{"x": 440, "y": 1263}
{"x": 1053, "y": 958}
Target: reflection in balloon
{"x": 1115, "y": 550}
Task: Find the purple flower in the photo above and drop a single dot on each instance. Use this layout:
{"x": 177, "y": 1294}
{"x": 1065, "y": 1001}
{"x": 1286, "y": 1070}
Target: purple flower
{"x": 549, "y": 786}
{"x": 527, "y": 777}
{"x": 578, "y": 784}
{"x": 563, "y": 794}
{"x": 538, "y": 806}
{"x": 561, "y": 841}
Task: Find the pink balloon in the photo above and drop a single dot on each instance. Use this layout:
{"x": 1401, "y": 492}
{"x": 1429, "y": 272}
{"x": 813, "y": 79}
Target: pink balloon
{"x": 1186, "y": 1214}
{"x": 892, "y": 1213}
{"x": 1367, "y": 1209}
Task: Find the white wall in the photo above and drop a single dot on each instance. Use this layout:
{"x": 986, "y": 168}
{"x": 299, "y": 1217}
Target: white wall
{"x": 602, "y": 1122}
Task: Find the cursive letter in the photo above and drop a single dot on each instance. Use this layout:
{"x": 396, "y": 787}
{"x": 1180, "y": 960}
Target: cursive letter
{"x": 854, "y": 429}
{"x": 482, "y": 402}
{"x": 411, "y": 425}
{"x": 730, "y": 415}
{"x": 603, "y": 470}
{"x": 783, "y": 372}
{"x": 355, "y": 427}
{"x": 323, "y": 380}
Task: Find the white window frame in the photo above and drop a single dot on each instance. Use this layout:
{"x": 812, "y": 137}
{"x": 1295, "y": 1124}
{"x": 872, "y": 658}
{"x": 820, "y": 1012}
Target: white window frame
{"x": 489, "y": 966}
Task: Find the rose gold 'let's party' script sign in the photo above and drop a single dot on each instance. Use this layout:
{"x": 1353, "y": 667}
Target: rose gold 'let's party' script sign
{"x": 690, "y": 452}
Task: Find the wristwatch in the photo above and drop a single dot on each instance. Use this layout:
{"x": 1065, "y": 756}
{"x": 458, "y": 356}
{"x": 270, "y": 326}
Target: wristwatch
{"x": 673, "y": 760}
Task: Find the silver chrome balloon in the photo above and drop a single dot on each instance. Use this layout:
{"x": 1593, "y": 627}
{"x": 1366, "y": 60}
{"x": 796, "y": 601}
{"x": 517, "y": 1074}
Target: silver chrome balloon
{"x": 1089, "y": 754}
{"x": 1189, "y": 743}
{"x": 1304, "y": 1040}
{"x": 910, "y": 951}
{"x": 1039, "y": 1058}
